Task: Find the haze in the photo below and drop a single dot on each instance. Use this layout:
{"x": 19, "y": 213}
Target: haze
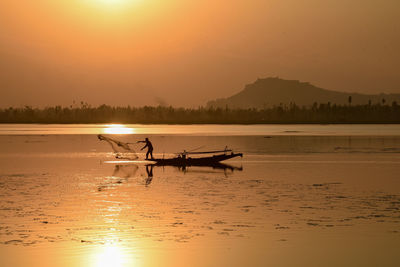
{"x": 184, "y": 53}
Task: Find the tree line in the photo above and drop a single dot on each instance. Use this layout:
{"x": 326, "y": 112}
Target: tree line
{"x": 292, "y": 113}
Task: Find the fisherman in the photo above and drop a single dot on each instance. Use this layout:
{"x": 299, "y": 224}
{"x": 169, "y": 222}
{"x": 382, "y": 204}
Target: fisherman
{"x": 149, "y": 148}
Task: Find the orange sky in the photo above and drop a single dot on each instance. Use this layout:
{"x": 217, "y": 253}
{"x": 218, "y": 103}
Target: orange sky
{"x": 184, "y": 53}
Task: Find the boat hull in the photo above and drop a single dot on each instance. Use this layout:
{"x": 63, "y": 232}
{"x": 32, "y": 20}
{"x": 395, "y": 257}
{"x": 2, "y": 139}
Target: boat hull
{"x": 203, "y": 161}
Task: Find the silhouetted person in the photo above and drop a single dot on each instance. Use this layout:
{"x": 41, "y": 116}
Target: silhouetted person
{"x": 149, "y": 148}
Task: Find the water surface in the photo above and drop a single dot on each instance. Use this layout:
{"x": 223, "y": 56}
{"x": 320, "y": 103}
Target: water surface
{"x": 210, "y": 129}
{"x": 292, "y": 200}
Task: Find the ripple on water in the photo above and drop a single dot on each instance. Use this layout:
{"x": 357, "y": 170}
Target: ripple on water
{"x": 87, "y": 207}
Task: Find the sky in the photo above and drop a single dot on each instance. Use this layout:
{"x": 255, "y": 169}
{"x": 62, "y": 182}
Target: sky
{"x": 184, "y": 53}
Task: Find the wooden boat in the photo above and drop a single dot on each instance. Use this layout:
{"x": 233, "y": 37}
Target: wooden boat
{"x": 183, "y": 159}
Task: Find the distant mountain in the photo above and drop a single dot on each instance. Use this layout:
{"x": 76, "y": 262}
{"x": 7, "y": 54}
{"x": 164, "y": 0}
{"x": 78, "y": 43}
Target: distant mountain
{"x": 275, "y": 91}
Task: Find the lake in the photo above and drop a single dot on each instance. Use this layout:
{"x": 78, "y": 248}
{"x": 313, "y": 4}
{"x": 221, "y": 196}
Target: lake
{"x": 302, "y": 195}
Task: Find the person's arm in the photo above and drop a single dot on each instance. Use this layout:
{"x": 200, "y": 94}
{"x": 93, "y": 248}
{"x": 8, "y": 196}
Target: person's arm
{"x": 138, "y": 142}
{"x": 144, "y": 147}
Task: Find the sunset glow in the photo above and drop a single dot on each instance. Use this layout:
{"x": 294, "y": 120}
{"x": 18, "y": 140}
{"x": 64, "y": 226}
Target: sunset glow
{"x": 185, "y": 53}
{"x": 174, "y": 133}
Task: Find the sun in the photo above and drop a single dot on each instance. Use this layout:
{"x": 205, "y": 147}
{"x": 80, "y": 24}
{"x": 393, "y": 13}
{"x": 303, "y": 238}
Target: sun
{"x": 111, "y": 7}
{"x": 113, "y": 2}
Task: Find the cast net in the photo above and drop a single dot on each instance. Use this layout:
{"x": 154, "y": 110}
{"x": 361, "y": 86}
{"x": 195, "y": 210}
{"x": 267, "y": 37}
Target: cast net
{"x": 121, "y": 150}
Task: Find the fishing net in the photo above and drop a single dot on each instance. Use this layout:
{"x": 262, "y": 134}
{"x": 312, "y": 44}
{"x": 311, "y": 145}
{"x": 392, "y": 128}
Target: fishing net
{"x": 121, "y": 150}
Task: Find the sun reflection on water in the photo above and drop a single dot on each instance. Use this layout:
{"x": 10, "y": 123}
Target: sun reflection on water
{"x": 112, "y": 255}
{"x": 117, "y": 129}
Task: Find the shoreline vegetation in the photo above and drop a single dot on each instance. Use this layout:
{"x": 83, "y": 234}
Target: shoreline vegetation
{"x": 282, "y": 114}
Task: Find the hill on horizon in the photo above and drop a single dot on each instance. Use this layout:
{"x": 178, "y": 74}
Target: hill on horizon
{"x": 274, "y": 91}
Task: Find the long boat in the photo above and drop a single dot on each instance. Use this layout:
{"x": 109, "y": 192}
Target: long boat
{"x": 183, "y": 159}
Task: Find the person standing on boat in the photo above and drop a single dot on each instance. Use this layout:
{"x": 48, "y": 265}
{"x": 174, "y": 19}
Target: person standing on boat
{"x": 149, "y": 146}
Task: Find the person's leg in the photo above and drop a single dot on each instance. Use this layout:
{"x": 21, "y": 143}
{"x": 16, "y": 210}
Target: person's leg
{"x": 147, "y": 154}
{"x": 151, "y": 154}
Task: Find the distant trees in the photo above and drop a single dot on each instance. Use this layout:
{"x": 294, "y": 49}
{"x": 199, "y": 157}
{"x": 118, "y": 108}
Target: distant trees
{"x": 317, "y": 113}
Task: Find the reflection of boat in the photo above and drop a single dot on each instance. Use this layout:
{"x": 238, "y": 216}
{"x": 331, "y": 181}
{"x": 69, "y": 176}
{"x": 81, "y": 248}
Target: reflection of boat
{"x": 123, "y": 172}
{"x": 215, "y": 166}
{"x": 183, "y": 159}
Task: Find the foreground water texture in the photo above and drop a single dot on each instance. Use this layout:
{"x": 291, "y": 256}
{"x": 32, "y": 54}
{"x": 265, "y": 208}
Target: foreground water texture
{"x": 301, "y": 196}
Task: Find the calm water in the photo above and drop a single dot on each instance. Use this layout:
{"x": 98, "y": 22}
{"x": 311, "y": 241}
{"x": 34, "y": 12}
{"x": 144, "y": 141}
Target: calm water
{"x": 301, "y": 196}
{"x": 224, "y": 130}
